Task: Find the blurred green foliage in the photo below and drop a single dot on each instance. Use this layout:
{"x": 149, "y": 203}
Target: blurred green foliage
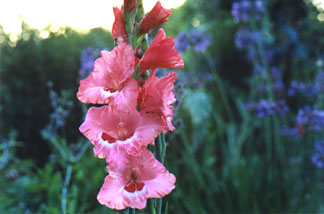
{"x": 25, "y": 72}
{"x": 225, "y": 159}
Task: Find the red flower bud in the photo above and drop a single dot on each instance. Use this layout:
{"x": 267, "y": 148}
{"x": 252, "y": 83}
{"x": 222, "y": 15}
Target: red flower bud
{"x": 130, "y": 5}
{"x": 157, "y": 16}
{"x": 161, "y": 54}
{"x": 118, "y": 28}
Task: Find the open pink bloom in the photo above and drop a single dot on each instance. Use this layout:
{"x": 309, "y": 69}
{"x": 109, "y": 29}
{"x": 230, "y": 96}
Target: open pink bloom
{"x": 110, "y": 82}
{"x": 111, "y": 130}
{"x": 157, "y": 96}
{"x": 118, "y": 28}
{"x": 157, "y": 16}
{"x": 132, "y": 184}
{"x": 161, "y": 54}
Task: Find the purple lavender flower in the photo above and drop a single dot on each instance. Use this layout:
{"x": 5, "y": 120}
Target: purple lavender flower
{"x": 277, "y": 84}
{"x": 199, "y": 40}
{"x": 259, "y": 7}
{"x": 195, "y": 38}
{"x": 276, "y": 77}
{"x": 244, "y": 10}
{"x": 240, "y": 11}
{"x": 276, "y": 73}
{"x": 305, "y": 89}
{"x": 269, "y": 55}
{"x": 61, "y": 106}
{"x": 281, "y": 107}
{"x": 267, "y": 108}
{"x": 312, "y": 118}
{"x": 259, "y": 70}
{"x": 319, "y": 82}
{"x": 87, "y": 59}
{"x": 303, "y": 115}
{"x": 290, "y": 132}
{"x": 196, "y": 81}
{"x": 318, "y": 155}
{"x": 244, "y": 38}
{"x": 182, "y": 42}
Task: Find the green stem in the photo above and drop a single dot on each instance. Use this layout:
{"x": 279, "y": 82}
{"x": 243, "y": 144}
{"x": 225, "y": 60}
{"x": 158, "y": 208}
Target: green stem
{"x": 268, "y": 139}
{"x": 65, "y": 188}
{"x": 152, "y": 205}
{"x": 260, "y": 50}
{"x": 159, "y": 205}
{"x": 222, "y": 91}
{"x": 276, "y": 131}
{"x": 125, "y": 211}
{"x": 160, "y": 149}
{"x": 135, "y": 75}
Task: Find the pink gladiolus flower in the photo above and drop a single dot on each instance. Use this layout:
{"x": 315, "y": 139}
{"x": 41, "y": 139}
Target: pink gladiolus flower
{"x": 110, "y": 130}
{"x": 161, "y": 54}
{"x": 136, "y": 108}
{"x": 110, "y": 82}
{"x": 118, "y": 28}
{"x": 157, "y": 96}
{"x": 131, "y": 184}
{"x": 157, "y": 16}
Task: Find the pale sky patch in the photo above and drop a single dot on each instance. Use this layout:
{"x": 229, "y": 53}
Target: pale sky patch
{"x": 79, "y": 14}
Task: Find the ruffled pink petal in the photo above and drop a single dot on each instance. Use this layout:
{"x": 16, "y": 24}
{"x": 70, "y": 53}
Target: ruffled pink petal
{"x": 111, "y": 71}
{"x": 161, "y": 54}
{"x": 150, "y": 126}
{"x": 111, "y": 193}
{"x": 158, "y": 96}
{"x": 109, "y": 129}
{"x": 112, "y": 131}
{"x": 118, "y": 28}
{"x": 137, "y": 199}
{"x": 157, "y": 180}
{"x": 157, "y": 16}
{"x": 127, "y": 97}
{"x": 120, "y": 63}
{"x": 161, "y": 185}
{"x": 130, "y": 185}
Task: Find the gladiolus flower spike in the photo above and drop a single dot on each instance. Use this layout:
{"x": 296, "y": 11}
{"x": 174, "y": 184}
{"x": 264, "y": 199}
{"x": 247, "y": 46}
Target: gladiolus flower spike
{"x": 136, "y": 108}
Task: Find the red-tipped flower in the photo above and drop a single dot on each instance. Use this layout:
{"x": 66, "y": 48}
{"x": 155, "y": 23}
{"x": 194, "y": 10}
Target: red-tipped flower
{"x": 130, "y": 5}
{"x": 157, "y": 16}
{"x": 118, "y": 28}
{"x": 161, "y": 54}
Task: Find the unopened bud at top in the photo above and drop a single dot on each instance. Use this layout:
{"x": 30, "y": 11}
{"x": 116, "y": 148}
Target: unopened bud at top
{"x": 130, "y": 5}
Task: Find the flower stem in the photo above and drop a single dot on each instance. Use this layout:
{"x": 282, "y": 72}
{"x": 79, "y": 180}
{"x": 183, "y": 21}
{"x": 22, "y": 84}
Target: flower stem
{"x": 125, "y": 211}
{"x": 159, "y": 205}
{"x": 152, "y": 206}
{"x": 65, "y": 187}
{"x": 160, "y": 149}
{"x": 133, "y": 211}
